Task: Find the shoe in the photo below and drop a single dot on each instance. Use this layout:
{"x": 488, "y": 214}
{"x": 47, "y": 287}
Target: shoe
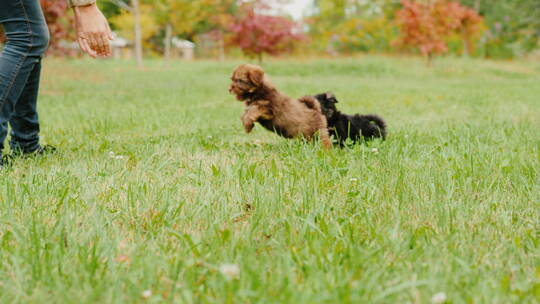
{"x": 40, "y": 151}
{"x": 47, "y": 149}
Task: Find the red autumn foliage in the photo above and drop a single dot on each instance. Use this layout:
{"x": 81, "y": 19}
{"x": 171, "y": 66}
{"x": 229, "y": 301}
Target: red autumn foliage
{"x": 426, "y": 26}
{"x": 257, "y": 34}
{"x": 59, "y": 22}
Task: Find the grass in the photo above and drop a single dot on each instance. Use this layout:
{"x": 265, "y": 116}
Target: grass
{"x": 156, "y": 187}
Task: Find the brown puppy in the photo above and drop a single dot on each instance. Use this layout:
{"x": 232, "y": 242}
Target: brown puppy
{"x": 275, "y": 111}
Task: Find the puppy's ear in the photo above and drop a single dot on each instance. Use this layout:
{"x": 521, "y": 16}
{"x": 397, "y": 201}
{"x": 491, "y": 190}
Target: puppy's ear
{"x": 256, "y": 76}
{"x": 331, "y": 96}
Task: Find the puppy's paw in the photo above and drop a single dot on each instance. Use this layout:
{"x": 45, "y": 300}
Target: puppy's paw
{"x": 248, "y": 128}
{"x": 248, "y": 124}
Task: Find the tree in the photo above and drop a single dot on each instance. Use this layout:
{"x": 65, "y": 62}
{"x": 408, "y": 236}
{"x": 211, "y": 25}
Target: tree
{"x": 339, "y": 26}
{"x": 373, "y": 34}
{"x": 222, "y": 17}
{"x": 59, "y": 24}
{"x": 188, "y": 18}
{"x": 418, "y": 29}
{"x": 426, "y": 26}
{"x": 257, "y": 34}
{"x": 467, "y": 23}
{"x": 513, "y": 26}
{"x": 135, "y": 11}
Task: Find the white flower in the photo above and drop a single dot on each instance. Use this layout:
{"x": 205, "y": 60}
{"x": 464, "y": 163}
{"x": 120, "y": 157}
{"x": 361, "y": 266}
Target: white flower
{"x": 147, "y": 294}
{"x": 375, "y": 151}
{"x": 114, "y": 156}
{"x": 230, "y": 271}
{"x": 354, "y": 179}
{"x": 438, "y": 298}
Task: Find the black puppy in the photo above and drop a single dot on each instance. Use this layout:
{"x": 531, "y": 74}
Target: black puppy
{"x": 356, "y": 127}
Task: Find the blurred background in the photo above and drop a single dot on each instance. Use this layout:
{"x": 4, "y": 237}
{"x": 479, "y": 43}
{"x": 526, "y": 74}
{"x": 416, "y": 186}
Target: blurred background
{"x": 231, "y": 29}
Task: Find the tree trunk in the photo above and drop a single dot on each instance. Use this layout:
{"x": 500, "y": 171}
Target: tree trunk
{"x": 168, "y": 39}
{"x": 477, "y": 5}
{"x": 138, "y": 34}
{"x": 468, "y": 46}
{"x": 466, "y": 50}
{"x": 260, "y": 58}
{"x": 221, "y": 43}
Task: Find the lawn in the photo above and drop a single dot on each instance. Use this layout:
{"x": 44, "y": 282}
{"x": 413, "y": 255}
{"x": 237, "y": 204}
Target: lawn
{"x": 157, "y": 195}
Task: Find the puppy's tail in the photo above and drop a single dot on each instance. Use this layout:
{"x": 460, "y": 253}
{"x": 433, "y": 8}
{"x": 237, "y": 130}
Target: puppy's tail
{"x": 310, "y": 102}
{"x": 378, "y": 124}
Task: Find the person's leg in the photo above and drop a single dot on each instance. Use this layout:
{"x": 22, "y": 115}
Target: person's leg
{"x": 24, "y": 121}
{"x": 20, "y": 67}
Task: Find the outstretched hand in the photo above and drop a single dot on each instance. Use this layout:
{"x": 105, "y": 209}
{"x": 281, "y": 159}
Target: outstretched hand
{"x": 93, "y": 31}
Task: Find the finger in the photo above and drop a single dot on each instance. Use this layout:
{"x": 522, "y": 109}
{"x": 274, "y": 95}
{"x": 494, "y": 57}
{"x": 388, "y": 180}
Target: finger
{"x": 83, "y": 43}
{"x": 98, "y": 47}
{"x": 88, "y": 49}
{"x": 93, "y": 43}
{"x": 103, "y": 43}
{"x": 106, "y": 45}
{"x": 108, "y": 51}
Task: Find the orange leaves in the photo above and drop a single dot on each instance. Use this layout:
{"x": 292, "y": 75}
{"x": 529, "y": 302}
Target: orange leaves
{"x": 426, "y": 26}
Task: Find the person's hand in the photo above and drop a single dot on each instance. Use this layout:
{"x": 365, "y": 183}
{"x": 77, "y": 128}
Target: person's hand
{"x": 93, "y": 31}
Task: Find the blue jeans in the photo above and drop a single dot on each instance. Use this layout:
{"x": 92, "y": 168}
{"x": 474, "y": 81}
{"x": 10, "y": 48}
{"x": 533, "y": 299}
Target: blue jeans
{"x": 20, "y": 68}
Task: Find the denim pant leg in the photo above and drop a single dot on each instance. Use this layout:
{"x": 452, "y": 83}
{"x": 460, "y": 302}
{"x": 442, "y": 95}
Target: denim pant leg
{"x": 20, "y": 66}
{"x": 24, "y": 121}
